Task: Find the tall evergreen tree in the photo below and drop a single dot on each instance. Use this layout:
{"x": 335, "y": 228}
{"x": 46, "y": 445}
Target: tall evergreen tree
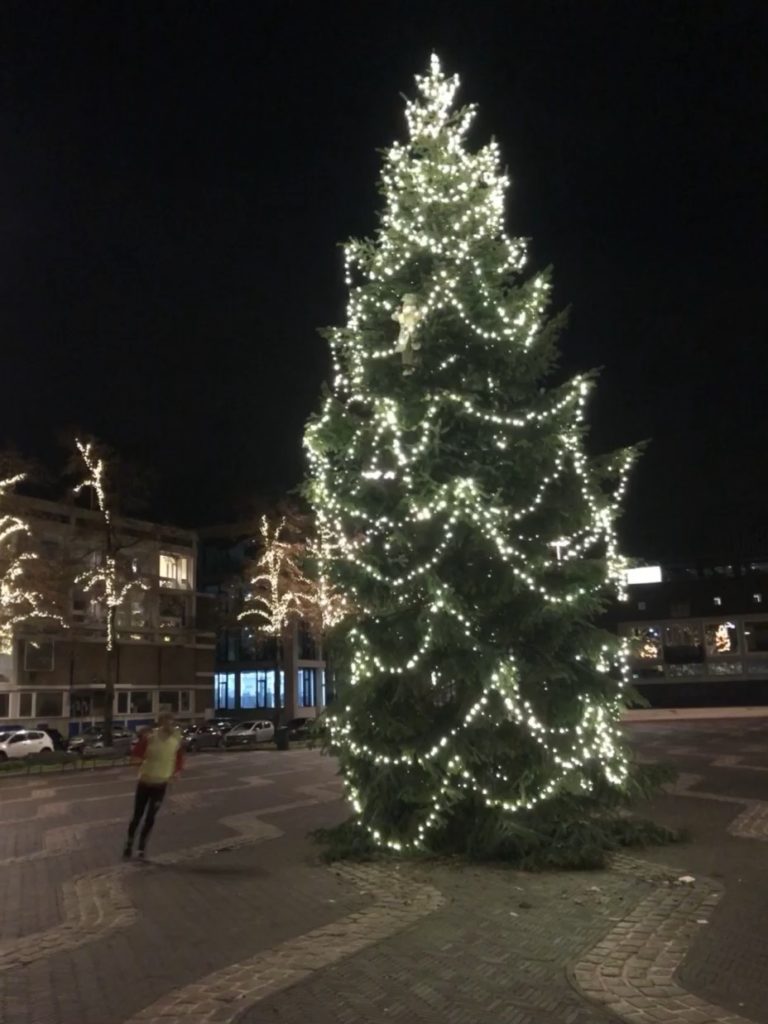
{"x": 477, "y": 535}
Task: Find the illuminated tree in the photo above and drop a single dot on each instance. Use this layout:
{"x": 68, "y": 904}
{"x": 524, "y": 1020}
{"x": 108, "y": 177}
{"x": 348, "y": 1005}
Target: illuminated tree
{"x": 106, "y": 580}
{"x": 21, "y": 596}
{"x": 326, "y": 606}
{"x": 475, "y": 535}
{"x": 278, "y": 593}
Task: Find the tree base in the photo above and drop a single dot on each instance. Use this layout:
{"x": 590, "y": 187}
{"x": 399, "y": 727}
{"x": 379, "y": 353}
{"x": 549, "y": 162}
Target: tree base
{"x": 570, "y": 832}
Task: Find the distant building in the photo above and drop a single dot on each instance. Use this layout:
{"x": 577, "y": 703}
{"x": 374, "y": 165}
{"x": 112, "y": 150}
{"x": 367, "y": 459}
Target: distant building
{"x": 57, "y": 676}
{"x": 698, "y": 633}
{"x": 246, "y": 664}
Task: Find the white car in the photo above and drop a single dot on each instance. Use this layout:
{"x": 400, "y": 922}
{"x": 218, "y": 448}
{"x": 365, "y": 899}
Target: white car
{"x": 23, "y": 742}
{"x": 248, "y": 733}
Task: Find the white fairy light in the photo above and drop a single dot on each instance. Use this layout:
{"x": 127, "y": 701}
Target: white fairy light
{"x": 19, "y": 601}
{"x": 397, "y": 399}
{"x": 105, "y": 580}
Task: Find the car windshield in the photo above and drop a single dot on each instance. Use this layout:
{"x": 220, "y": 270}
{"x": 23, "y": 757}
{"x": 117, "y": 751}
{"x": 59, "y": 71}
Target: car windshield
{"x": 244, "y": 727}
{"x": 5, "y": 736}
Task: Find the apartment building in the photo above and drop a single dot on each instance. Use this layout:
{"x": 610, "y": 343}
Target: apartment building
{"x": 57, "y": 672}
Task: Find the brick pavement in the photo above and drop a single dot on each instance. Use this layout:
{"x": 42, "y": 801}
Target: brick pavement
{"x": 236, "y": 920}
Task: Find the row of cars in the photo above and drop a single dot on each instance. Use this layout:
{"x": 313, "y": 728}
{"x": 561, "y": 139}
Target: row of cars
{"x": 226, "y": 733}
{"x": 18, "y": 742}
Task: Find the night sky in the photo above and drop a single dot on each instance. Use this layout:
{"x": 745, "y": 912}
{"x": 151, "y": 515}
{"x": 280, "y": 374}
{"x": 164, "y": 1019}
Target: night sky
{"x": 175, "y": 179}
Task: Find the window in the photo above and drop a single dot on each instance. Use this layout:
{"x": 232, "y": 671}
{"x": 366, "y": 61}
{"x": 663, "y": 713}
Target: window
{"x": 757, "y": 598}
{"x": 50, "y": 705}
{"x": 25, "y": 705}
{"x": 641, "y": 606}
{"x": 726, "y": 668}
{"x": 4, "y": 705}
{"x": 721, "y": 638}
{"x": 756, "y": 636}
{"x": 185, "y": 700}
{"x": 38, "y": 655}
{"x": 645, "y": 643}
{"x": 717, "y": 601}
{"x": 133, "y": 612}
{"x": 248, "y": 690}
{"x": 257, "y": 689}
{"x": 682, "y": 643}
{"x": 173, "y": 613}
{"x": 169, "y": 700}
{"x": 307, "y": 688}
{"x": 225, "y": 689}
{"x": 80, "y": 705}
{"x": 175, "y": 571}
{"x": 134, "y": 702}
{"x": 676, "y": 671}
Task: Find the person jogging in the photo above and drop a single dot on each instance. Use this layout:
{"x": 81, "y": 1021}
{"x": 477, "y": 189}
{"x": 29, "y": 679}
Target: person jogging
{"x": 161, "y": 756}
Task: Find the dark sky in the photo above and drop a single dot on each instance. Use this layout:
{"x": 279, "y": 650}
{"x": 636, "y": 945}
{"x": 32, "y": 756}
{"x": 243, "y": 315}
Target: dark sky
{"x": 175, "y": 178}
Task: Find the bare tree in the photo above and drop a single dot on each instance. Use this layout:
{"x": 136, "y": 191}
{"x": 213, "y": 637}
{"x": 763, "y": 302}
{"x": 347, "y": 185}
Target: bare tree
{"x": 278, "y": 592}
{"x": 23, "y": 593}
{"x": 106, "y": 579}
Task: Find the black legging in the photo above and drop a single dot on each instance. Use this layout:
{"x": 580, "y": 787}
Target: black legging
{"x": 148, "y": 798}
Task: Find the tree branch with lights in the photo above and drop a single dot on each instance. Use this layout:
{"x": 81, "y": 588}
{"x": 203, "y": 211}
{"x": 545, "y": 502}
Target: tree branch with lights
{"x": 22, "y": 598}
{"x": 472, "y": 532}
{"x": 278, "y": 593}
{"x": 106, "y": 581}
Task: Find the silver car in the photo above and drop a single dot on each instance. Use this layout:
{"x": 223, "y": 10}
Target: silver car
{"x": 247, "y": 733}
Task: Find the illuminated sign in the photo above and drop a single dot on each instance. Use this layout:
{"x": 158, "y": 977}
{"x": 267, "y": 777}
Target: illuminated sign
{"x": 644, "y": 574}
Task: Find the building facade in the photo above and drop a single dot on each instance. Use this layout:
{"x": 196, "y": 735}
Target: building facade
{"x": 57, "y": 673}
{"x": 698, "y": 634}
{"x": 246, "y": 679}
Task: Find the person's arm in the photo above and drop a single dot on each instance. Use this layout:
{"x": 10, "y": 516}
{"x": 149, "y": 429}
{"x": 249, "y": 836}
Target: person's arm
{"x": 139, "y": 748}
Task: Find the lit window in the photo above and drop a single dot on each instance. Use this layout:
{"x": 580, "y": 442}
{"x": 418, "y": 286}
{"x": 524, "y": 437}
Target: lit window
{"x": 225, "y": 689}
{"x": 721, "y": 638}
{"x": 645, "y": 642}
{"x": 175, "y": 571}
{"x": 307, "y": 688}
{"x": 718, "y": 601}
{"x": 248, "y": 690}
{"x": 757, "y": 598}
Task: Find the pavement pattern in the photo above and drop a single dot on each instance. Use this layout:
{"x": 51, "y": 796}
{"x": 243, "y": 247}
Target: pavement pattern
{"x": 235, "y": 920}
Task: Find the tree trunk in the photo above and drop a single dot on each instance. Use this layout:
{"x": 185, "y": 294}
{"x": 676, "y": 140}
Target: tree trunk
{"x": 112, "y": 668}
{"x": 279, "y": 685}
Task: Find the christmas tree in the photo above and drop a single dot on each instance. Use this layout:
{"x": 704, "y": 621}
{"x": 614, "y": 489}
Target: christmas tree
{"x": 478, "y": 700}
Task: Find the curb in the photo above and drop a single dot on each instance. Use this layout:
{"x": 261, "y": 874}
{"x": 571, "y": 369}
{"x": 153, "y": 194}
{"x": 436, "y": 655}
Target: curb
{"x": 691, "y": 714}
{"x": 631, "y": 970}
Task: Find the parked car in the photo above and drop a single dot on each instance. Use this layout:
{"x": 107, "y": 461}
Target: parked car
{"x": 299, "y": 728}
{"x": 92, "y": 741}
{"x": 224, "y": 724}
{"x": 23, "y": 743}
{"x": 203, "y": 736}
{"x": 59, "y": 742}
{"x": 247, "y": 733}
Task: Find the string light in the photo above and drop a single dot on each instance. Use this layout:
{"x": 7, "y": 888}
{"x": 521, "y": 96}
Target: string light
{"x": 428, "y": 366}
{"x": 19, "y": 602}
{"x": 106, "y": 580}
{"x": 279, "y": 586}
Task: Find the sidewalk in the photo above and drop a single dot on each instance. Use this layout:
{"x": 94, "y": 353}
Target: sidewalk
{"x": 235, "y": 920}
